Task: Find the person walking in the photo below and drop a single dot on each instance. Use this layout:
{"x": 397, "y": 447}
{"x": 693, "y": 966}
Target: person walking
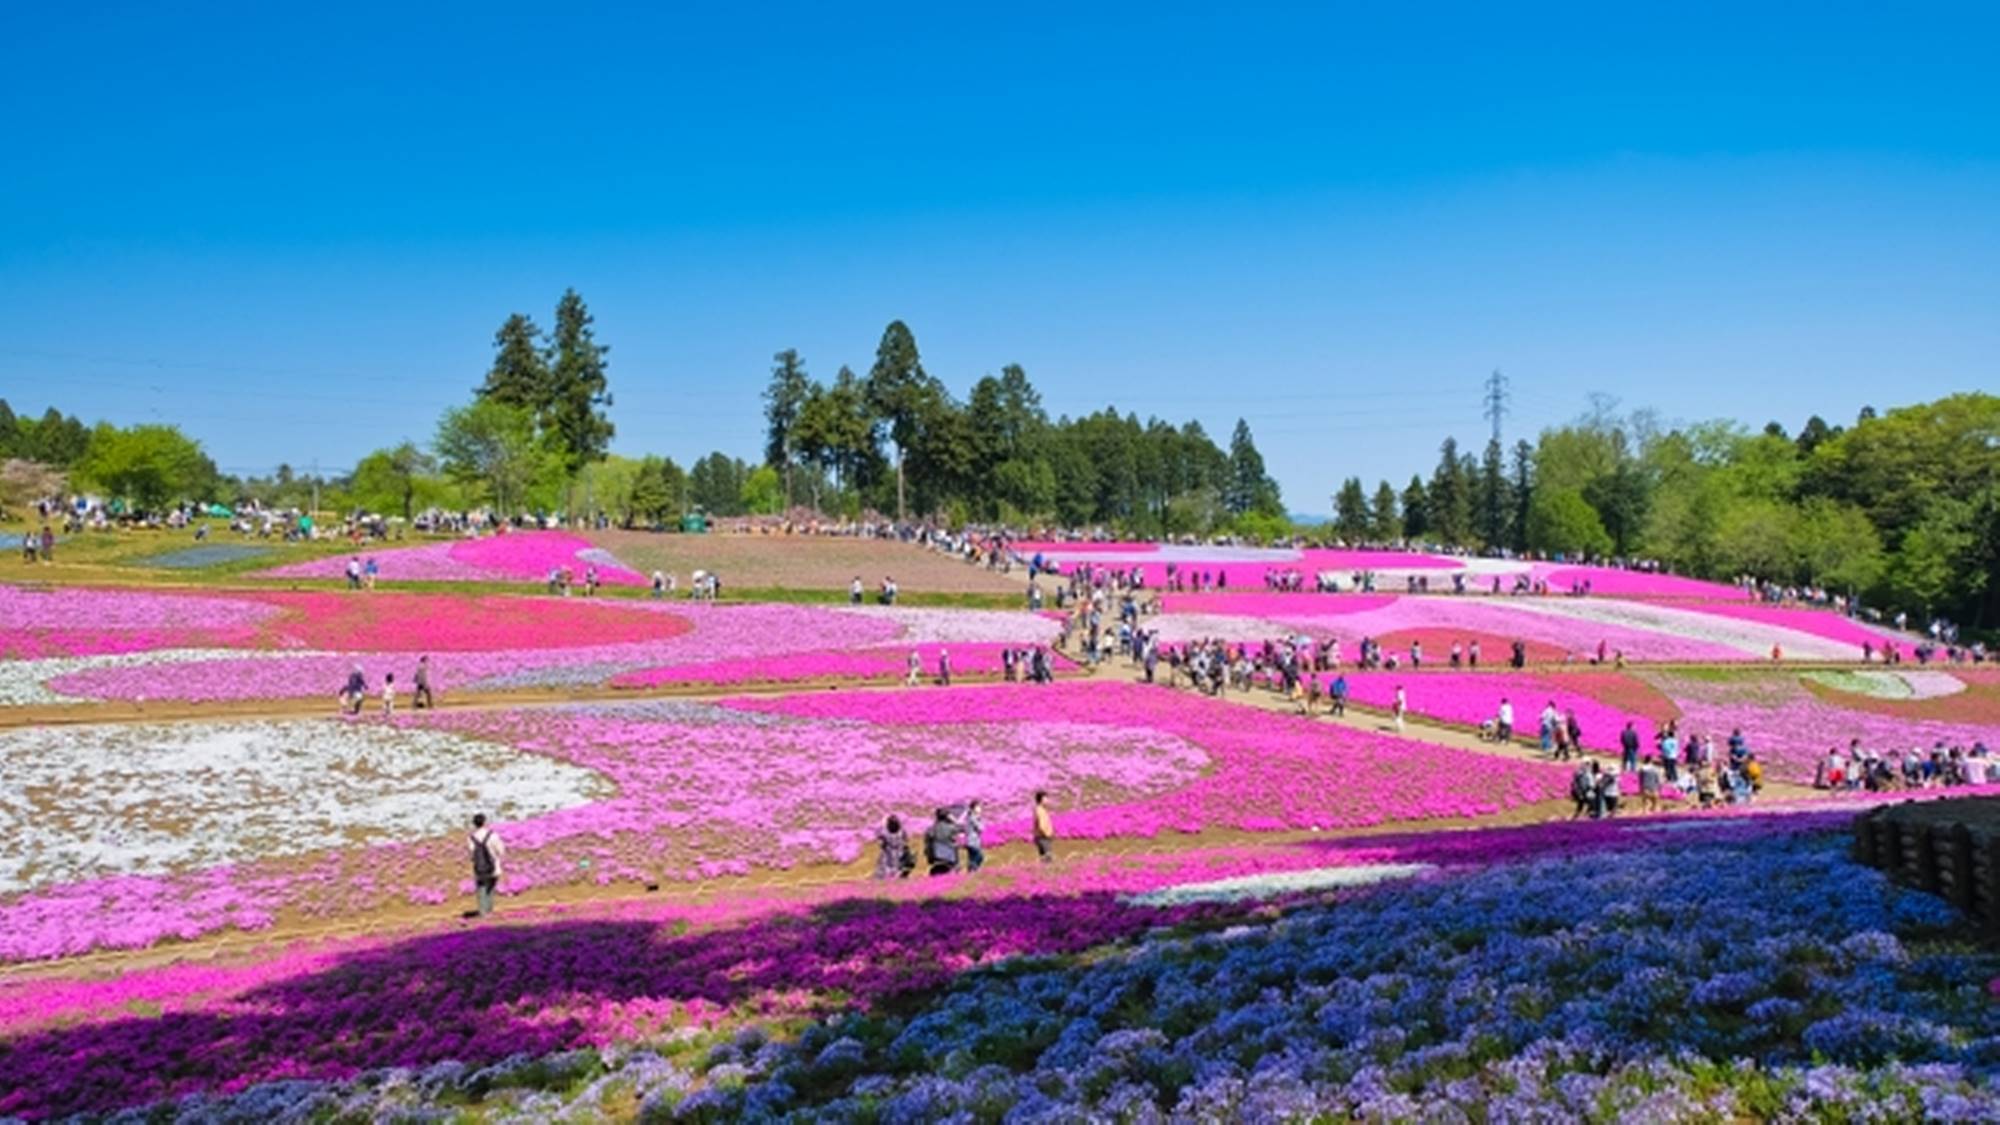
{"x": 48, "y": 544}
{"x": 975, "y": 831}
{"x": 1339, "y": 695}
{"x": 420, "y": 697}
{"x": 355, "y": 693}
{"x": 1402, "y": 707}
{"x": 487, "y": 852}
{"x": 941, "y": 844}
{"x": 389, "y": 695}
{"x": 854, "y": 591}
{"x": 944, "y": 668}
{"x": 1045, "y": 827}
{"x": 1628, "y": 747}
{"x": 1503, "y": 729}
{"x": 916, "y": 669}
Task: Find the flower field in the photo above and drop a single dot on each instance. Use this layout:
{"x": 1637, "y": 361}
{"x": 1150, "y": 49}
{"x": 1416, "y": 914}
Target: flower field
{"x": 1252, "y": 915}
{"x": 177, "y": 839}
{"x": 75, "y": 646}
{"x": 1594, "y": 971}
{"x": 525, "y": 556}
{"x": 1554, "y": 627}
{"x": 1244, "y": 568}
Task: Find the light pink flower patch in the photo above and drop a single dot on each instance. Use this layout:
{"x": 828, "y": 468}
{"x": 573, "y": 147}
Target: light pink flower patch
{"x": 1271, "y": 771}
{"x": 44, "y": 624}
{"x": 886, "y": 664}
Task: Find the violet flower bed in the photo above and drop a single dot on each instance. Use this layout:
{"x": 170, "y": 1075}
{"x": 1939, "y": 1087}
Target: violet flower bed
{"x": 1542, "y": 974}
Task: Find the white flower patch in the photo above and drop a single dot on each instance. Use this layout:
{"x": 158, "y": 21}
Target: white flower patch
{"x": 1244, "y": 888}
{"x": 1892, "y": 685}
{"x": 1184, "y": 628}
{"x": 962, "y": 626}
{"x": 92, "y": 801}
{"x": 24, "y": 683}
{"x": 1752, "y": 637}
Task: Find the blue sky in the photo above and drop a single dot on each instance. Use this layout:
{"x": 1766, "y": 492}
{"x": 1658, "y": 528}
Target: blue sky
{"x": 294, "y": 231}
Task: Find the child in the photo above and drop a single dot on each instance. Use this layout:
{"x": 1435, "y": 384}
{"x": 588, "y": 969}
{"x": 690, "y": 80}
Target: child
{"x": 388, "y": 694}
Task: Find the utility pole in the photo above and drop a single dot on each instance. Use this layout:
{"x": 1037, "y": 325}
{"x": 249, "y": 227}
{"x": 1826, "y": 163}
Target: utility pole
{"x": 1496, "y": 401}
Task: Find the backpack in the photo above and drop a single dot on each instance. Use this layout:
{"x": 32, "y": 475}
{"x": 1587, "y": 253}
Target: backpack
{"x": 483, "y": 866}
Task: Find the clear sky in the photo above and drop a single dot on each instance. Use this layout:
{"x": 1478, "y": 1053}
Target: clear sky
{"x": 294, "y": 228}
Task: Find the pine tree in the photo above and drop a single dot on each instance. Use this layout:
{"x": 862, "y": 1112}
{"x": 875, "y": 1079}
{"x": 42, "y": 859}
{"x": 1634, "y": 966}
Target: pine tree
{"x": 578, "y": 389}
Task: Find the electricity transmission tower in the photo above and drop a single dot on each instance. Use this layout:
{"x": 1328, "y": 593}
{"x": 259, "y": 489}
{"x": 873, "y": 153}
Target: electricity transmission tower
{"x": 1496, "y": 401}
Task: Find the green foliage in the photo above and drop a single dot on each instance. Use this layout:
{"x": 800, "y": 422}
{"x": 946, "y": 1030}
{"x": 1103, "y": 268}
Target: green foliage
{"x": 150, "y": 466}
{"x": 1385, "y": 522}
{"x": 1352, "y": 520}
{"x": 561, "y": 384}
{"x": 1561, "y": 521}
{"x": 1417, "y": 511}
{"x": 491, "y": 448}
{"x": 1450, "y": 497}
{"x": 659, "y": 492}
{"x": 763, "y": 493}
{"x": 1250, "y": 488}
{"x": 784, "y": 398}
{"x": 394, "y": 481}
{"x": 715, "y": 484}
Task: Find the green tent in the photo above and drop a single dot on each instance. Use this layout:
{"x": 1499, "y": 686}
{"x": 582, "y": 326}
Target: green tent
{"x": 220, "y": 510}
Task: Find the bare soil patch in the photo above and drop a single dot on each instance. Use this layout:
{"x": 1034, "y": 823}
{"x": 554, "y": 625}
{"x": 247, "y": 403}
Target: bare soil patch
{"x": 801, "y": 562}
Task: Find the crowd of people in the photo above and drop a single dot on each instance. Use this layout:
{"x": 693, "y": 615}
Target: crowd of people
{"x": 954, "y": 841}
{"x": 1876, "y": 770}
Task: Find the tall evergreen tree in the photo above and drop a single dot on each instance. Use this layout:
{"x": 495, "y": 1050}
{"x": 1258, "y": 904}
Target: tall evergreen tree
{"x": 1450, "y": 497}
{"x": 896, "y": 391}
{"x": 1416, "y": 510}
{"x": 1250, "y": 488}
{"x": 1351, "y": 518}
{"x": 1495, "y": 506}
{"x": 578, "y": 388}
{"x": 784, "y": 398}
{"x": 520, "y": 372}
{"x": 1386, "y": 523}
{"x": 1524, "y": 493}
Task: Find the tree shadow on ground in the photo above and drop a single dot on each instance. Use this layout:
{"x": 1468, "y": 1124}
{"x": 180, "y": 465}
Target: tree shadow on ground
{"x": 479, "y": 994}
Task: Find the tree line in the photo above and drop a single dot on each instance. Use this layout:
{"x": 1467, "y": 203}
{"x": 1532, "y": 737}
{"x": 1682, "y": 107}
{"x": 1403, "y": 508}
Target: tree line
{"x": 1901, "y": 508}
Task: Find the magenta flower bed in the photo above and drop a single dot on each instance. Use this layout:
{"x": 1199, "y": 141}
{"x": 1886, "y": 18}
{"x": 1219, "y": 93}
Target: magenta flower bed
{"x": 1271, "y": 772}
{"x": 519, "y": 555}
{"x": 1470, "y": 699}
{"x": 866, "y": 664}
{"x": 719, "y": 633}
